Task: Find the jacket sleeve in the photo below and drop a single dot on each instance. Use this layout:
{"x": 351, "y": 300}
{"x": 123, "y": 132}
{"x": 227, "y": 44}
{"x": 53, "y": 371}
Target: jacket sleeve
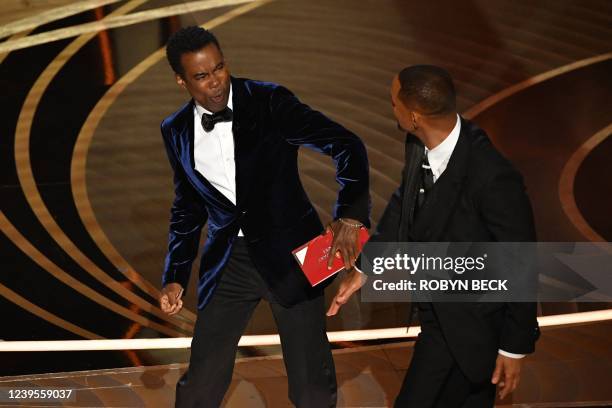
{"x": 387, "y": 228}
{"x": 392, "y": 225}
{"x": 187, "y": 217}
{"x": 507, "y": 212}
{"x": 300, "y": 125}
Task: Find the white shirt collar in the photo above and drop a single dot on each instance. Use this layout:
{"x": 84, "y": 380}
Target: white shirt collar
{"x": 439, "y": 156}
{"x": 201, "y": 110}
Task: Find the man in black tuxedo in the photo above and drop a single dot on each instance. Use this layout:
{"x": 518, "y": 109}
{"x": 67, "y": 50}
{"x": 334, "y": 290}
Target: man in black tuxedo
{"x": 233, "y": 149}
{"x": 456, "y": 187}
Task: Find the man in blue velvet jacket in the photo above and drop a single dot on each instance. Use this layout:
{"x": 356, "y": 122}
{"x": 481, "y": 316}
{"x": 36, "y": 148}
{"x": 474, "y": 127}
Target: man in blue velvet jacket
{"x": 233, "y": 149}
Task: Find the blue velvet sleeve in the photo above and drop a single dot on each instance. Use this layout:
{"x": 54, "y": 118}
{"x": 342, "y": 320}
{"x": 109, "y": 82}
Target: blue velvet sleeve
{"x": 187, "y": 217}
{"x": 303, "y": 126}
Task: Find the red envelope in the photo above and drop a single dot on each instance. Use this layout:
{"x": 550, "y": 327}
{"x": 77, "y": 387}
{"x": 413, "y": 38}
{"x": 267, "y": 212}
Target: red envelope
{"x": 313, "y": 256}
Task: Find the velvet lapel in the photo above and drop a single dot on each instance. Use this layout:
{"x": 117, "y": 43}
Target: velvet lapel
{"x": 441, "y": 200}
{"x": 185, "y": 148}
{"x": 245, "y": 137}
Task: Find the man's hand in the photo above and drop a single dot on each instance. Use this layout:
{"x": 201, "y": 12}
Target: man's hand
{"x": 170, "y": 299}
{"x": 349, "y": 285}
{"x": 346, "y": 241}
{"x": 507, "y": 374}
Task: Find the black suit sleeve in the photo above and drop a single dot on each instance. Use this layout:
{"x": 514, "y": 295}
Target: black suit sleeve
{"x": 187, "y": 217}
{"x": 507, "y": 213}
{"x": 302, "y": 126}
{"x": 387, "y": 229}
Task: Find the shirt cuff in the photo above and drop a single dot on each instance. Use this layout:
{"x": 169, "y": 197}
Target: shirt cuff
{"x": 364, "y": 277}
{"x": 511, "y": 355}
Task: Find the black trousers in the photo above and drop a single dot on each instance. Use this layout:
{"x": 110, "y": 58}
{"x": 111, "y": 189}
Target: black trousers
{"x": 306, "y": 350}
{"x": 434, "y": 379}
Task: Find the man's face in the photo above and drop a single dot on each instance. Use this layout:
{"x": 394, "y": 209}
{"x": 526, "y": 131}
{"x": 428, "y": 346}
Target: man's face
{"x": 206, "y": 77}
{"x": 401, "y": 112}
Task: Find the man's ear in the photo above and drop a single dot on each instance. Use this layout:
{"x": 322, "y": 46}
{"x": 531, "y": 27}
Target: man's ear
{"x": 415, "y": 118}
{"x": 180, "y": 81}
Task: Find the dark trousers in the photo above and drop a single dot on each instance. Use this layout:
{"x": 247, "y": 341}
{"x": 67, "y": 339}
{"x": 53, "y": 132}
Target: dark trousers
{"x": 434, "y": 379}
{"x": 306, "y": 350}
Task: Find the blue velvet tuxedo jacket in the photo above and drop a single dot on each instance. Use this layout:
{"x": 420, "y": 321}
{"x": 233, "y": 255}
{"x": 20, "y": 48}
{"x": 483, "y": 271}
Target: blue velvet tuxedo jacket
{"x": 272, "y": 208}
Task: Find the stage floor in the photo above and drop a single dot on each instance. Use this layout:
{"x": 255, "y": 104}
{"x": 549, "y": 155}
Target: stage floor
{"x": 571, "y": 368}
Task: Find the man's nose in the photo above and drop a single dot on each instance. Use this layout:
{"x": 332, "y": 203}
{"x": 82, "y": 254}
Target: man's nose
{"x": 214, "y": 83}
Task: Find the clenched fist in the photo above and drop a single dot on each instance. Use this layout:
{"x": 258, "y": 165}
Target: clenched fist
{"x": 170, "y": 299}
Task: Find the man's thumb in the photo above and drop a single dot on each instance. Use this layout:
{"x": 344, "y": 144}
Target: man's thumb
{"x": 171, "y": 296}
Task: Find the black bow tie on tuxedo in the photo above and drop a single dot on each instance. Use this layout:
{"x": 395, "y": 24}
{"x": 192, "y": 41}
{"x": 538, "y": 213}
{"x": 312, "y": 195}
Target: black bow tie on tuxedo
{"x": 209, "y": 121}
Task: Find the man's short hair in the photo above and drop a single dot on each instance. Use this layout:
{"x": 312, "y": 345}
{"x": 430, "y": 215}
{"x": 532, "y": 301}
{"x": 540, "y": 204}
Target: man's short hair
{"x": 428, "y": 88}
{"x": 187, "y": 39}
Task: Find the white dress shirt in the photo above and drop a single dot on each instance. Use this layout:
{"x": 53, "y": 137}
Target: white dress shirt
{"x": 438, "y": 160}
{"x": 440, "y": 155}
{"x": 213, "y": 153}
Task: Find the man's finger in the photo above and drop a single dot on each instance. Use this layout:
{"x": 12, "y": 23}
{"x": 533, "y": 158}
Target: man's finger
{"x": 496, "y": 373}
{"x": 350, "y": 252}
{"x": 341, "y": 297}
{"x": 333, "y": 308}
{"x": 514, "y": 385}
{"x": 505, "y": 391}
{"x": 178, "y": 306}
{"x": 513, "y": 378}
{"x": 503, "y": 385}
{"x": 517, "y": 380}
{"x": 165, "y": 303}
{"x": 347, "y": 259}
{"x": 332, "y": 253}
{"x": 508, "y": 380}
{"x": 179, "y": 294}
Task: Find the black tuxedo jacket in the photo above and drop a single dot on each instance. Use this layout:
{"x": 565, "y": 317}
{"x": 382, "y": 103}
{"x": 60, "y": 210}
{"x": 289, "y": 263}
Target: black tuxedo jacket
{"x": 272, "y": 208}
{"x": 480, "y": 197}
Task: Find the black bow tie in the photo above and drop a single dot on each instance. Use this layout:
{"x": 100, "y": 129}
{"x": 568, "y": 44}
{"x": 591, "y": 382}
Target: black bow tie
{"x": 209, "y": 121}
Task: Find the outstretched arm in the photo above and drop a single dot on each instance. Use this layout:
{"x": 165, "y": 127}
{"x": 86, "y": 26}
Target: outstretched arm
{"x": 302, "y": 126}
{"x": 187, "y": 217}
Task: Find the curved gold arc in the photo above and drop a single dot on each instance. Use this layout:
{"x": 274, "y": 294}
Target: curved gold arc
{"x": 22, "y": 34}
{"x": 32, "y": 194}
{"x": 568, "y": 174}
{"x": 31, "y": 22}
{"x": 114, "y": 21}
{"x": 83, "y": 143}
{"x": 498, "y": 97}
{"x": 8, "y": 293}
{"x": 79, "y": 185}
{"x": 41, "y": 260}
{"x": 43, "y": 314}
{"x": 568, "y": 178}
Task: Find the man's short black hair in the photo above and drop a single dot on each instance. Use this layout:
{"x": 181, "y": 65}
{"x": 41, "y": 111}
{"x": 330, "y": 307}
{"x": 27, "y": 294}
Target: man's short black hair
{"x": 428, "y": 88}
{"x": 187, "y": 39}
